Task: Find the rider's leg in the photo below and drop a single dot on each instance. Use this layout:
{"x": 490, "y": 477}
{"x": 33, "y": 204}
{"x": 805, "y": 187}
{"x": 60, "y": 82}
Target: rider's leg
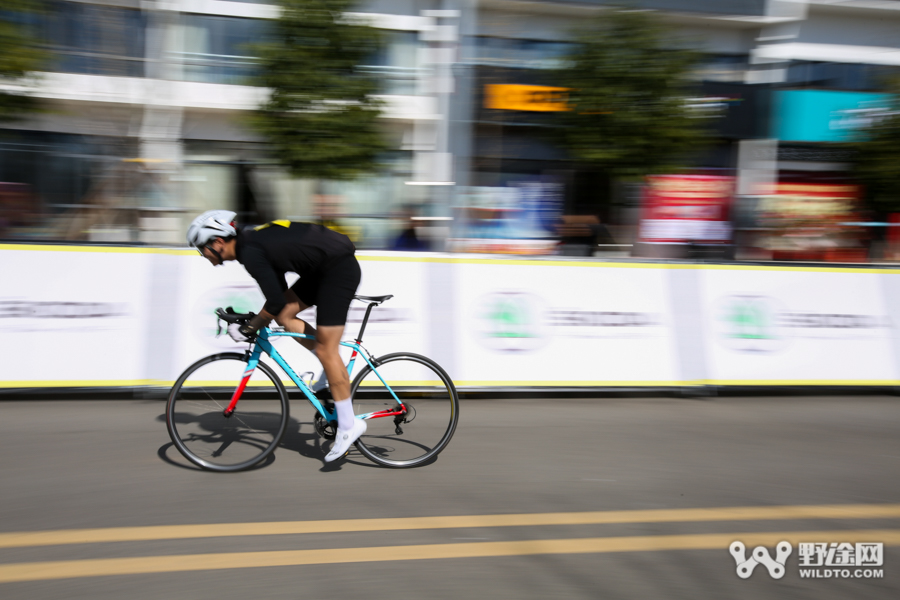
{"x": 349, "y": 427}
{"x": 332, "y": 290}
{"x": 327, "y": 350}
{"x": 287, "y": 318}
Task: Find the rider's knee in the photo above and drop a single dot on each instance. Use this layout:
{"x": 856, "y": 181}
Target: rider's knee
{"x": 287, "y": 314}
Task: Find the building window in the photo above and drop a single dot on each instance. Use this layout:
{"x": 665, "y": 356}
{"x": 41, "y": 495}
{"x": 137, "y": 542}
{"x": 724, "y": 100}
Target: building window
{"x": 95, "y": 40}
{"x": 726, "y": 68}
{"x": 839, "y": 76}
{"x": 219, "y": 49}
{"x": 396, "y": 64}
{"x": 518, "y": 53}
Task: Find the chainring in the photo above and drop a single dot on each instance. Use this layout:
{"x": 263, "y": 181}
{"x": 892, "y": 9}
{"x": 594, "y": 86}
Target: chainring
{"x": 324, "y": 428}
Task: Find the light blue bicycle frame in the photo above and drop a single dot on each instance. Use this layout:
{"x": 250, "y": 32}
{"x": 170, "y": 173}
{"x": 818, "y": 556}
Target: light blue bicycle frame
{"x": 264, "y": 345}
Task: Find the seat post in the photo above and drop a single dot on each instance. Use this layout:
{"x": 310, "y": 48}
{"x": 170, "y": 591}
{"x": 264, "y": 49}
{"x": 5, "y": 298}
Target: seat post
{"x": 362, "y": 327}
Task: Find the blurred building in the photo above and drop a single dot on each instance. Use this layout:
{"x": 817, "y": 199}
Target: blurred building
{"x": 783, "y": 83}
{"x": 145, "y": 122}
{"x": 147, "y": 101}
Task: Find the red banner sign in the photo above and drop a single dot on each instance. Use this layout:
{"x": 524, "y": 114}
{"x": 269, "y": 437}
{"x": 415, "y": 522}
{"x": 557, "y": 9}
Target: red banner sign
{"x": 681, "y": 209}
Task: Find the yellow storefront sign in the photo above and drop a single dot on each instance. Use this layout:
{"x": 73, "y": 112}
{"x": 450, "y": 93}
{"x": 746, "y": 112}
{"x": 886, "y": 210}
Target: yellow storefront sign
{"x": 536, "y": 98}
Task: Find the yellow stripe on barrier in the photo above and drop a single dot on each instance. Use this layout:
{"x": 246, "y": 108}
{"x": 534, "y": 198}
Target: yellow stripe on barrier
{"x": 681, "y": 384}
{"x": 399, "y": 384}
{"x": 810, "y": 382}
{"x": 101, "y": 249}
{"x": 475, "y": 383}
{"x": 512, "y": 262}
{"x": 626, "y": 265}
{"x": 85, "y": 383}
{"x": 585, "y": 384}
{"x": 786, "y": 268}
{"x": 478, "y": 261}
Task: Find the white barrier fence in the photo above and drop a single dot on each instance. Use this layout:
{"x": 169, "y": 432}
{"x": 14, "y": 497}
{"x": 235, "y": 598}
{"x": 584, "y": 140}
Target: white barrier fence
{"x": 87, "y": 316}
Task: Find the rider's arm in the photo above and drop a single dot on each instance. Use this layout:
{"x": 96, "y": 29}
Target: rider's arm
{"x": 270, "y": 281}
{"x": 272, "y": 284}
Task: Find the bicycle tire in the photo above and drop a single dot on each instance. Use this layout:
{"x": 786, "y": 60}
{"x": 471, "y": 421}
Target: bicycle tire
{"x": 417, "y": 381}
{"x": 200, "y": 430}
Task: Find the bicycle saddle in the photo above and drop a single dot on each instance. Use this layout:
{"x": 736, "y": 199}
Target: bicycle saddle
{"x": 375, "y": 299}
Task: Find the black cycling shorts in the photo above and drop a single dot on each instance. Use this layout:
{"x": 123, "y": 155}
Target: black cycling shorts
{"x": 330, "y": 290}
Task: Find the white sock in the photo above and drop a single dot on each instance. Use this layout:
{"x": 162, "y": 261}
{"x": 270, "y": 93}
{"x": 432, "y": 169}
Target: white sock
{"x": 321, "y": 382}
{"x": 345, "y": 414}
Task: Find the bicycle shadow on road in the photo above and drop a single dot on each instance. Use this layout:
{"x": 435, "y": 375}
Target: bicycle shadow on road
{"x": 169, "y": 454}
{"x": 312, "y": 445}
{"x": 300, "y": 437}
{"x": 182, "y": 463}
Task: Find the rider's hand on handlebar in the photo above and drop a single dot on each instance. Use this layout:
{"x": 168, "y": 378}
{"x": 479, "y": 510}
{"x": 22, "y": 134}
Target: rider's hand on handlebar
{"x": 234, "y": 330}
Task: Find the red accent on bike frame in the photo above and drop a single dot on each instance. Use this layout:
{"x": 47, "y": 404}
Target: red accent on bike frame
{"x": 388, "y": 413}
{"x": 237, "y": 394}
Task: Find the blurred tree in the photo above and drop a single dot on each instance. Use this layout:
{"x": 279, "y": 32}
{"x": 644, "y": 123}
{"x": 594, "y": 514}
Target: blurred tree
{"x": 628, "y": 82}
{"x": 321, "y": 117}
{"x": 19, "y": 56}
{"x": 876, "y": 163}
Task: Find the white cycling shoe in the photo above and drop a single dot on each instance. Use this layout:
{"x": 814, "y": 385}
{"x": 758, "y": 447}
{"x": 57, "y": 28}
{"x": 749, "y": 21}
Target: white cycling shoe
{"x": 345, "y": 439}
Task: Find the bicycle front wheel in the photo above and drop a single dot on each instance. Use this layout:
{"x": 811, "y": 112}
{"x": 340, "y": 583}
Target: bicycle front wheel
{"x": 411, "y": 409}
{"x": 197, "y": 423}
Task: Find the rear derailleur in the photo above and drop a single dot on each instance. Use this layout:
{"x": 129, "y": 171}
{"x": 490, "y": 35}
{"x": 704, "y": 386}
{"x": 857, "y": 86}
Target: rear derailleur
{"x": 407, "y": 414}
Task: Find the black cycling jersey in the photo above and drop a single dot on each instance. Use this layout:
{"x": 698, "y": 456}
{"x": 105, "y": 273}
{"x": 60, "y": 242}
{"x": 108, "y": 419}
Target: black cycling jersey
{"x": 271, "y": 250}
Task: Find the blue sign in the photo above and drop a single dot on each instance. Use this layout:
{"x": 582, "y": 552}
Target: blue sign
{"x": 826, "y": 116}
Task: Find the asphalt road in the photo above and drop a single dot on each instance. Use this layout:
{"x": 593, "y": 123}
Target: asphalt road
{"x": 563, "y": 498}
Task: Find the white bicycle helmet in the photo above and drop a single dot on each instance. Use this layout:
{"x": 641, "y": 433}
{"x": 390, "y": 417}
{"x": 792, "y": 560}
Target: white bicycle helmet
{"x": 211, "y": 224}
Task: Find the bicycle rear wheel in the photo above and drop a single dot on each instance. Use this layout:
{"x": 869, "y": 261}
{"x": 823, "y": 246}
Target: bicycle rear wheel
{"x": 204, "y": 435}
{"x": 417, "y": 432}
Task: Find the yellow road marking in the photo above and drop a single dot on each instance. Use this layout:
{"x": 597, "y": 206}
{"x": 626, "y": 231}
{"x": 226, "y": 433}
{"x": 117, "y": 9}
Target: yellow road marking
{"x": 35, "y": 571}
{"x": 172, "y": 532}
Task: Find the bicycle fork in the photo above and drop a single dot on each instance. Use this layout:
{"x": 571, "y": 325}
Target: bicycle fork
{"x": 252, "y": 361}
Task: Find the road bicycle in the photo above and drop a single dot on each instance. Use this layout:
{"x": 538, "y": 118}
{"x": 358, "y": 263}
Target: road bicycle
{"x": 229, "y": 411}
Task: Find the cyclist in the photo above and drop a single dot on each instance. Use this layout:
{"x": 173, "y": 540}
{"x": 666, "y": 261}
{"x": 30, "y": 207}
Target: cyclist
{"x": 329, "y": 275}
